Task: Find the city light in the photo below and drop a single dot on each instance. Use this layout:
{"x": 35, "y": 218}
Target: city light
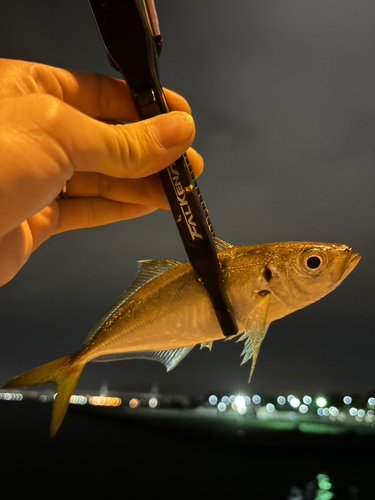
{"x": 212, "y": 400}
{"x": 307, "y": 400}
{"x": 11, "y": 396}
{"x": 134, "y": 403}
{"x": 104, "y": 401}
{"x": 78, "y": 400}
{"x": 240, "y": 402}
{"x": 153, "y": 402}
{"x": 294, "y": 402}
{"x": 298, "y": 409}
{"x": 221, "y": 406}
{"x": 333, "y": 411}
{"x": 321, "y": 402}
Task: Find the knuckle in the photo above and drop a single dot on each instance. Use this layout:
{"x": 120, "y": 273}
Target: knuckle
{"x": 142, "y": 139}
{"x": 44, "y": 110}
{"x": 90, "y": 212}
{"x": 103, "y": 186}
{"x": 52, "y": 108}
{"x": 42, "y": 80}
{"x": 46, "y": 130}
{"x": 103, "y": 100}
{"x": 138, "y": 150}
{"x": 120, "y": 144}
{"x": 133, "y": 147}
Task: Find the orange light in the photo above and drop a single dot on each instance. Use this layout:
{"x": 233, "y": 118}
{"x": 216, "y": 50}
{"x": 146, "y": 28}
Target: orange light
{"x": 134, "y": 402}
{"x": 104, "y": 401}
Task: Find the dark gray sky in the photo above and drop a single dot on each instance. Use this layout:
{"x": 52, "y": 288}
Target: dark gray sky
{"x": 283, "y": 97}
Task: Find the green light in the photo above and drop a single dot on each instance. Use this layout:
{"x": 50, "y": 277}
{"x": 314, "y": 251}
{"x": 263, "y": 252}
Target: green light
{"x": 324, "y": 486}
{"x": 320, "y": 429}
{"x": 321, "y": 402}
{"x": 324, "y": 495}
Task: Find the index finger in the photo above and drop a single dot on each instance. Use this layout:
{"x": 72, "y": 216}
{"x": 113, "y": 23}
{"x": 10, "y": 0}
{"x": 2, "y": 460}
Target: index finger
{"x": 103, "y": 97}
{"x": 98, "y": 96}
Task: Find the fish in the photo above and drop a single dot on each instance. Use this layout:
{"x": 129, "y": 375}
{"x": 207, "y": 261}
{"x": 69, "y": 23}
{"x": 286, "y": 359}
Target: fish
{"x": 166, "y": 311}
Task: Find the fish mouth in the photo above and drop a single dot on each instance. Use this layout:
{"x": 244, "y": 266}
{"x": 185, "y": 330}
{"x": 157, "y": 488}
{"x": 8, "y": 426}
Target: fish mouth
{"x": 351, "y": 261}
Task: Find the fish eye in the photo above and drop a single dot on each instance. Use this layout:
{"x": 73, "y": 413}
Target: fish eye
{"x": 313, "y": 262}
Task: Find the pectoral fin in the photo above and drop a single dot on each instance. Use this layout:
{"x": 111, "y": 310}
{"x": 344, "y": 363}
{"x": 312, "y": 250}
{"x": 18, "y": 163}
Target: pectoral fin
{"x": 255, "y": 329}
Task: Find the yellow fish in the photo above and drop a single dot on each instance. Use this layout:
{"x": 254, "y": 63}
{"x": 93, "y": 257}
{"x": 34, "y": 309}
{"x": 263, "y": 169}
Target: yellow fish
{"x": 166, "y": 311}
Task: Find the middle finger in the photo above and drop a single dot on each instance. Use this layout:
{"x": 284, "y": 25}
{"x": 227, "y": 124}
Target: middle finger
{"x": 146, "y": 191}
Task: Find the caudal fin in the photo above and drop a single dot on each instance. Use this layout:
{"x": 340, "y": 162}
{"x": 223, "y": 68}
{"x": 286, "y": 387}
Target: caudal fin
{"x": 64, "y": 374}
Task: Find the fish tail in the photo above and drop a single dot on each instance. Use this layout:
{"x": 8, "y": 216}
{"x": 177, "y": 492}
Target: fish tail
{"x": 64, "y": 373}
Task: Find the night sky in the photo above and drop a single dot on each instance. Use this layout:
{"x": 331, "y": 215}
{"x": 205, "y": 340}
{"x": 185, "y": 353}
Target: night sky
{"x": 283, "y": 97}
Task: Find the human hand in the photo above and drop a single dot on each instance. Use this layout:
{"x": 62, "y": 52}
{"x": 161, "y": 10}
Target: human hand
{"x": 59, "y": 126}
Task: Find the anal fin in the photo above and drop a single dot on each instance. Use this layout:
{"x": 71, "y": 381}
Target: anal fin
{"x": 170, "y": 359}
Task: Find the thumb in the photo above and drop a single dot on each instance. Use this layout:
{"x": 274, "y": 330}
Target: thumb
{"x": 132, "y": 150}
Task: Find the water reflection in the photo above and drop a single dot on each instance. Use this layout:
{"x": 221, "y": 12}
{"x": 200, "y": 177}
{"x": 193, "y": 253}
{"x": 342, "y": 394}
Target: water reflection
{"x": 321, "y": 488}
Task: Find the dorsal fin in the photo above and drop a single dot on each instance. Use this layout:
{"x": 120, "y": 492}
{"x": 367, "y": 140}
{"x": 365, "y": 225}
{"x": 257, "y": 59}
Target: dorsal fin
{"x": 170, "y": 359}
{"x": 147, "y": 271}
{"x": 220, "y": 244}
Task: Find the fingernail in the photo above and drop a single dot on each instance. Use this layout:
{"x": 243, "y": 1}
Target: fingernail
{"x": 172, "y": 128}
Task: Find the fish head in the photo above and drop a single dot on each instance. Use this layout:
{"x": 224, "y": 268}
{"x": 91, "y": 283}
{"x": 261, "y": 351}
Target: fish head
{"x": 302, "y": 273}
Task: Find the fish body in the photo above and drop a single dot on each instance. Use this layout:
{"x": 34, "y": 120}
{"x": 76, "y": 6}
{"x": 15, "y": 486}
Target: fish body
{"x": 166, "y": 311}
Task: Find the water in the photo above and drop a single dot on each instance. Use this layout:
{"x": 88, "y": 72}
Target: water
{"x": 99, "y": 450}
